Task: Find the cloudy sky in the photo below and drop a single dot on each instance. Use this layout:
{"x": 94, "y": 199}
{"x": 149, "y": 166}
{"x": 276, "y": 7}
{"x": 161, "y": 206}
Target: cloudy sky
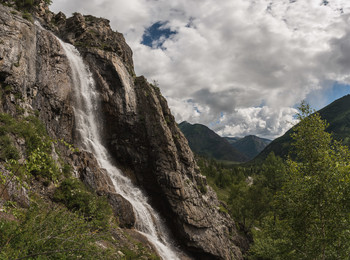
{"x": 237, "y": 66}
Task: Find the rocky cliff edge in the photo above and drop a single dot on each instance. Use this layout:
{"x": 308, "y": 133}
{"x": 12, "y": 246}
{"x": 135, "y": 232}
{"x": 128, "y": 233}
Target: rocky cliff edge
{"x": 137, "y": 125}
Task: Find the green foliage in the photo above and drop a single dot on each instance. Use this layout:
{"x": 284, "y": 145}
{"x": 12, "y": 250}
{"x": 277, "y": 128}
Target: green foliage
{"x": 50, "y": 233}
{"x": 75, "y": 196}
{"x": 248, "y": 203}
{"x": 26, "y": 6}
{"x": 274, "y": 172}
{"x": 247, "y": 190}
{"x": 312, "y": 210}
{"x": 39, "y": 162}
{"x": 167, "y": 120}
{"x": 130, "y": 254}
{"x": 66, "y": 170}
{"x": 29, "y": 17}
{"x": 219, "y": 175}
{"x": 30, "y": 128}
{"x": 16, "y": 173}
{"x": 69, "y": 146}
{"x": 202, "y": 187}
{"x": 34, "y": 133}
{"x": 270, "y": 242}
{"x": 8, "y": 150}
{"x": 8, "y": 89}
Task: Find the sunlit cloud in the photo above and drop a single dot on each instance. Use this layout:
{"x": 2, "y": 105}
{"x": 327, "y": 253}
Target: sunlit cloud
{"x": 241, "y": 59}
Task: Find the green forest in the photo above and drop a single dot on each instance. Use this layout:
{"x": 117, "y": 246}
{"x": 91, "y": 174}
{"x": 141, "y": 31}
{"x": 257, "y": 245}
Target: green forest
{"x": 297, "y": 208}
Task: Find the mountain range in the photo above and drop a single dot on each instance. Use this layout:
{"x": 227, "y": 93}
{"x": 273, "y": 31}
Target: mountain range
{"x": 250, "y": 145}
{"x": 206, "y": 142}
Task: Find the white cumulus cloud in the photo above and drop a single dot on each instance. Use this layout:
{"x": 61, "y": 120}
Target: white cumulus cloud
{"x": 242, "y": 63}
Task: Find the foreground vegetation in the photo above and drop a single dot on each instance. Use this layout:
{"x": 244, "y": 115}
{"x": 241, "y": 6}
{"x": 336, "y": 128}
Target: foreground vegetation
{"x": 294, "y": 209}
{"x": 65, "y": 221}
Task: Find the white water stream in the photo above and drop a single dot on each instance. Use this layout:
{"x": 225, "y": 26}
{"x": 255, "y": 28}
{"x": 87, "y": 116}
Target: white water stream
{"x": 86, "y": 110}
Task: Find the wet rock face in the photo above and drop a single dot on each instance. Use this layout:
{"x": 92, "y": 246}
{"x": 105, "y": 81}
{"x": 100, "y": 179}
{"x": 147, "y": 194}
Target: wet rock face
{"x": 97, "y": 179}
{"x": 122, "y": 209}
{"x": 136, "y": 125}
{"x": 143, "y": 137}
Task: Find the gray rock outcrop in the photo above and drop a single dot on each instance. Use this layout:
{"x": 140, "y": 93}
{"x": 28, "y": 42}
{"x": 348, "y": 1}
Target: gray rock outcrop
{"x": 136, "y": 123}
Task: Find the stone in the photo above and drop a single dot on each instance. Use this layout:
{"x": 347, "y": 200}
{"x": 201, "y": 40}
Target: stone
{"x": 98, "y": 180}
{"x": 12, "y": 190}
{"x": 122, "y": 209}
{"x": 136, "y": 125}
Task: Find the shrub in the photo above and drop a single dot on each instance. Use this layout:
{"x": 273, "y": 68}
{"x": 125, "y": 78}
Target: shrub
{"x": 40, "y": 163}
{"x": 29, "y": 17}
{"x": 34, "y": 133}
{"x": 8, "y": 150}
{"x": 75, "y": 196}
{"x": 38, "y": 145}
{"x": 50, "y": 233}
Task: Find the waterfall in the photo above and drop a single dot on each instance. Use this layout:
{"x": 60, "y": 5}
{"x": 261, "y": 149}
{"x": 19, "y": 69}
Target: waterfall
{"x": 86, "y": 108}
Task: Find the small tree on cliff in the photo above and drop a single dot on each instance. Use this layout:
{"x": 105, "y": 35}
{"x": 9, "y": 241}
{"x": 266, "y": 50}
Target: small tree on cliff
{"x": 313, "y": 208}
{"x": 25, "y": 4}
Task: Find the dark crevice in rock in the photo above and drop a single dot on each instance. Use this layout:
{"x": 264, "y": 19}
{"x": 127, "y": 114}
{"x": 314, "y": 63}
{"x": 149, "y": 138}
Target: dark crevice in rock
{"x": 3, "y": 76}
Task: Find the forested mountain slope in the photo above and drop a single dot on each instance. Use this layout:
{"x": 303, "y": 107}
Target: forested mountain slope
{"x": 337, "y": 114}
{"x": 206, "y": 142}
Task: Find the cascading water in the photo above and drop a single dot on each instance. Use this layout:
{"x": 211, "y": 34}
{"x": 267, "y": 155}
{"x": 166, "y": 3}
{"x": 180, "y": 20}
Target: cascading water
{"x": 86, "y": 110}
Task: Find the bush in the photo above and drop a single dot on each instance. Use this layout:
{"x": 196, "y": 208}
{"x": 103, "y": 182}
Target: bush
{"x": 50, "y": 233}
{"x": 29, "y": 17}
{"x": 34, "y": 133}
{"x": 8, "y": 150}
{"x": 41, "y": 164}
{"x": 75, "y": 196}
{"x": 38, "y": 146}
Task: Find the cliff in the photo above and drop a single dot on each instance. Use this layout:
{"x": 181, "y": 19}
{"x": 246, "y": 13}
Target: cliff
{"x": 136, "y": 124}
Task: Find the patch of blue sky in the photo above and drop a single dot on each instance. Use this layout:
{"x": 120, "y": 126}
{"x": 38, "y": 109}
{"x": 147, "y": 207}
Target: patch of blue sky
{"x": 197, "y": 110}
{"x": 321, "y": 98}
{"x": 190, "y": 23}
{"x": 262, "y": 104}
{"x": 155, "y": 35}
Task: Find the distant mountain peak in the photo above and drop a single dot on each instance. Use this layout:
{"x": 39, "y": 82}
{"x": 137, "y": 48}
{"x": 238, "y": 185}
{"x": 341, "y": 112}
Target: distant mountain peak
{"x": 206, "y": 142}
{"x": 250, "y": 145}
